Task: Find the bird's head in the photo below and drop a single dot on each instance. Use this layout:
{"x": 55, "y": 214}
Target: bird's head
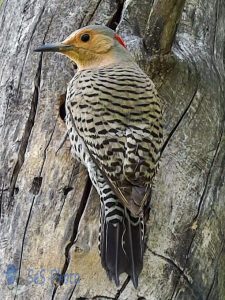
{"x": 91, "y": 46}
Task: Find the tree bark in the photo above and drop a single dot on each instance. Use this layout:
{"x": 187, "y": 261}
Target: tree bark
{"x": 49, "y": 212}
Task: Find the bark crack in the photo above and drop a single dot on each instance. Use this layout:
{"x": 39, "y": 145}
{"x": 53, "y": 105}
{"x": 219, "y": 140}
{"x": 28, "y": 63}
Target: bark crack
{"x": 46, "y": 147}
{"x": 94, "y": 11}
{"x": 102, "y": 297}
{"x": 120, "y": 291}
{"x": 29, "y": 124}
{"x": 162, "y": 25}
{"x": 25, "y": 58}
{"x": 28, "y": 46}
{"x": 211, "y": 286}
{"x": 3, "y": 16}
{"x": 27, "y": 131}
{"x": 198, "y": 212}
{"x": 74, "y": 173}
{"x": 171, "y": 262}
{"x": 179, "y": 121}
{"x": 114, "y": 21}
{"x": 215, "y": 276}
{"x": 97, "y": 297}
{"x": 22, "y": 248}
{"x": 29, "y": 215}
{"x": 1, "y": 195}
{"x": 79, "y": 214}
{"x": 70, "y": 296}
{"x": 207, "y": 179}
{"x": 216, "y": 26}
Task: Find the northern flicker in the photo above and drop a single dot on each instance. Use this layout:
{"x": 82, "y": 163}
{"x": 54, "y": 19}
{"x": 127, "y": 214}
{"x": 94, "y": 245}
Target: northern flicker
{"x": 113, "y": 116}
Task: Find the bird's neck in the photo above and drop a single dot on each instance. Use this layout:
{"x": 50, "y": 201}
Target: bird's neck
{"x": 103, "y": 60}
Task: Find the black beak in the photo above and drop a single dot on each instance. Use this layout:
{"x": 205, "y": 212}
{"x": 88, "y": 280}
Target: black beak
{"x": 59, "y": 47}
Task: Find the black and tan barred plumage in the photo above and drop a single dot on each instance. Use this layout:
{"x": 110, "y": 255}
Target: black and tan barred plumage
{"x": 114, "y": 125}
{"x": 117, "y": 113}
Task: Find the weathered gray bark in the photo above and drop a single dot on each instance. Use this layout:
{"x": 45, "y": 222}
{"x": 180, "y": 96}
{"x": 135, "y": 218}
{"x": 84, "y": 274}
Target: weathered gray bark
{"x": 46, "y": 198}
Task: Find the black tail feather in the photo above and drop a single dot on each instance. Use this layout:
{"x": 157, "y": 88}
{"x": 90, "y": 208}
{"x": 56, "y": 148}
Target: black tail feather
{"x": 134, "y": 244}
{"x": 130, "y": 253}
{"x": 122, "y": 245}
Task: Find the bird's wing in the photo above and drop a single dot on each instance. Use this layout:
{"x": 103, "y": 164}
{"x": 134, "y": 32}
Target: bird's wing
{"x": 119, "y": 119}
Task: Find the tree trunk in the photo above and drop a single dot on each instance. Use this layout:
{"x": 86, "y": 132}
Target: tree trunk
{"x": 50, "y": 212}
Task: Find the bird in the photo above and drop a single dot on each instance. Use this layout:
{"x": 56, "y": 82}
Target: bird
{"x": 114, "y": 123}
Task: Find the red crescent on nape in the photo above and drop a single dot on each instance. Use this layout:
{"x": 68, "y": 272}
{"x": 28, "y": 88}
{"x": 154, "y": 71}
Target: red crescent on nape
{"x": 120, "y": 40}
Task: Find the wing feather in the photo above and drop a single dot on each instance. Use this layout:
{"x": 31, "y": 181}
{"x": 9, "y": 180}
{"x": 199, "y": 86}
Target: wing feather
{"x": 121, "y": 127}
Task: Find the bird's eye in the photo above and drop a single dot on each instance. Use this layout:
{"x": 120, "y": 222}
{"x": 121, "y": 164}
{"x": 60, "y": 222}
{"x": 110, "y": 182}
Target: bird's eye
{"x": 85, "y": 37}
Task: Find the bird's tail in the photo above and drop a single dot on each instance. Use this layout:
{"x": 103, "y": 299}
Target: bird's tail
{"x": 121, "y": 240}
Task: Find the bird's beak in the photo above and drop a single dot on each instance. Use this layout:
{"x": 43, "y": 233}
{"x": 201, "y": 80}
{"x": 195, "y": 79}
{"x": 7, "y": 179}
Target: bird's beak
{"x": 59, "y": 47}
